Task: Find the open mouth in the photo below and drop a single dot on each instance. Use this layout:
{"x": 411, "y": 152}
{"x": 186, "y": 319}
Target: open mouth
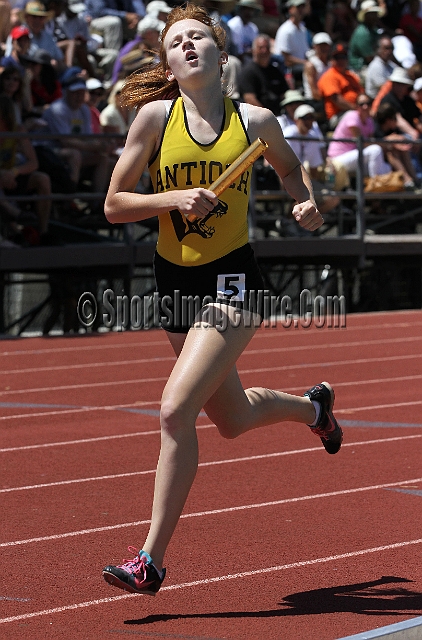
{"x": 191, "y": 56}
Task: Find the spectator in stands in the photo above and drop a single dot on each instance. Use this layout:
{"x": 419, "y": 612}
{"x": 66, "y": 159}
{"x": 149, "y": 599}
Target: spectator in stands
{"x": 355, "y": 123}
{"x": 340, "y": 21}
{"x": 292, "y": 100}
{"x": 71, "y": 33}
{"x": 411, "y": 26}
{"x": 316, "y": 64}
{"x": 94, "y": 94}
{"x": 70, "y": 115}
{"x": 45, "y": 87}
{"x": 398, "y": 155}
{"x": 158, "y": 9}
{"x": 364, "y": 41}
{"x": 262, "y": 80}
{"x": 308, "y": 150}
{"x": 292, "y": 41}
{"x": 115, "y": 20}
{"x": 408, "y": 114}
{"x": 116, "y": 118}
{"x": 269, "y": 20}
{"x": 18, "y": 165}
{"x": 12, "y": 84}
{"x": 36, "y": 17}
{"x": 339, "y": 87}
{"x": 380, "y": 68}
{"x": 242, "y": 28}
{"x": 147, "y": 42}
{"x": 20, "y": 47}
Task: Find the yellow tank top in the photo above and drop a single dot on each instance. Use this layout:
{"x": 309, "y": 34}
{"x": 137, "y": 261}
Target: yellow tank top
{"x": 183, "y": 163}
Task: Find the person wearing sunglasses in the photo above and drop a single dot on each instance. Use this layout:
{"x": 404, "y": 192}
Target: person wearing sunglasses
{"x": 381, "y": 67}
{"x": 355, "y": 123}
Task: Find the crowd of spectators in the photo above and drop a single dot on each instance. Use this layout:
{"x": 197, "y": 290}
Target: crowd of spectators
{"x": 345, "y": 68}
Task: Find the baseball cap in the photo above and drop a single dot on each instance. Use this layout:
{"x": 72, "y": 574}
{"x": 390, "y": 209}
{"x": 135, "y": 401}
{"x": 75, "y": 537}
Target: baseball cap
{"x": 302, "y": 111}
{"x": 19, "y": 32}
{"x": 93, "y": 83}
{"x": 77, "y": 86}
{"x": 295, "y": 3}
{"x": 339, "y": 51}
{"x": 150, "y": 22}
{"x": 322, "y": 38}
{"x": 77, "y": 7}
{"x": 157, "y": 6}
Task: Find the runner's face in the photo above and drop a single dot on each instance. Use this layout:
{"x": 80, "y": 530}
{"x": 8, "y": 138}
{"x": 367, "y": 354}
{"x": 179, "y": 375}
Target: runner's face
{"x": 191, "y": 50}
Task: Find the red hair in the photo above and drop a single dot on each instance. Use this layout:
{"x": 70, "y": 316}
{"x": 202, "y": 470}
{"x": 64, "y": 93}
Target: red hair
{"x": 150, "y": 82}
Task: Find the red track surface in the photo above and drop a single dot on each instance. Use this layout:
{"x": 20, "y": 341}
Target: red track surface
{"x": 278, "y": 539}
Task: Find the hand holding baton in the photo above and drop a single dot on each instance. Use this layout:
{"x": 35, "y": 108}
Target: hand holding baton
{"x": 243, "y": 162}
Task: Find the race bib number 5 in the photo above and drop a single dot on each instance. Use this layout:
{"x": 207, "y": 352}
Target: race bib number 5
{"x": 231, "y": 285}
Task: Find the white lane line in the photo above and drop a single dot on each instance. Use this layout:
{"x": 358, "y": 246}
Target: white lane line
{"x": 135, "y": 434}
{"x": 263, "y": 333}
{"x": 205, "y": 581}
{"x": 138, "y": 433}
{"x": 199, "y": 514}
{"x": 292, "y": 367}
{"x": 247, "y": 352}
{"x": 138, "y": 404}
{"x": 381, "y": 406}
{"x": 262, "y": 456}
{"x": 59, "y": 412}
{"x": 371, "y": 407}
{"x": 92, "y": 365}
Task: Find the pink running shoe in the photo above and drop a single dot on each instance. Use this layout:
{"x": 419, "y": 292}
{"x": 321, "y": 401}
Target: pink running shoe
{"x": 137, "y": 576}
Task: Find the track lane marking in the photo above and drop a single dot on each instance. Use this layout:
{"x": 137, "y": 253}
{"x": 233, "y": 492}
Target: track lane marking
{"x": 206, "y": 581}
{"x": 371, "y": 407}
{"x": 307, "y": 365}
{"x": 212, "y": 463}
{"x": 263, "y": 333}
{"x": 247, "y": 352}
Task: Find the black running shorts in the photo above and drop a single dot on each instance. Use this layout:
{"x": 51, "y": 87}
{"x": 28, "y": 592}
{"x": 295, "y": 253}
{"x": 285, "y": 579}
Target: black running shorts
{"x": 234, "y": 279}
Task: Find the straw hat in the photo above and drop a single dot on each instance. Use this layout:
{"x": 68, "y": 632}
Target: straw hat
{"x": 369, "y": 6}
{"x": 36, "y": 8}
{"x": 250, "y": 4}
{"x": 400, "y": 75}
{"x": 292, "y": 95}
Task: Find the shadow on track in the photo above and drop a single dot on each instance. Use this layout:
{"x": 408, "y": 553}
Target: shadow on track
{"x": 366, "y": 598}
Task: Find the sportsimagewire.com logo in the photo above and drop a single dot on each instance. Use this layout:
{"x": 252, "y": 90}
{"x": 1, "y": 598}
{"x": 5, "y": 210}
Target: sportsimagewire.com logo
{"x": 121, "y": 312}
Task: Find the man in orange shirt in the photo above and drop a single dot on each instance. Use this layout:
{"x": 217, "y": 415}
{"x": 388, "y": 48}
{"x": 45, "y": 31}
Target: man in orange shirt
{"x": 339, "y": 87}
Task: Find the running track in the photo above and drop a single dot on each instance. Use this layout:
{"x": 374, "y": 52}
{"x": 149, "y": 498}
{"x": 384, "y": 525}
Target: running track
{"x": 278, "y": 539}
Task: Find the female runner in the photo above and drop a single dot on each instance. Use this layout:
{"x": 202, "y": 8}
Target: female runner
{"x": 203, "y": 252}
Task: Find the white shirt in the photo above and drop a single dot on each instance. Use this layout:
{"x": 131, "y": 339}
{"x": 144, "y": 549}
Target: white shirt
{"x": 308, "y": 148}
{"x": 320, "y": 68}
{"x": 377, "y": 73}
{"x": 242, "y": 34}
{"x": 292, "y": 39}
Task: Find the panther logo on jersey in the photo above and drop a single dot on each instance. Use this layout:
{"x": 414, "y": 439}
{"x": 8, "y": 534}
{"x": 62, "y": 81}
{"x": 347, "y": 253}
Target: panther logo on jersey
{"x": 184, "y": 227}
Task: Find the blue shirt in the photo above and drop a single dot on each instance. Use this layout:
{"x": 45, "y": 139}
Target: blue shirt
{"x": 99, "y": 8}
